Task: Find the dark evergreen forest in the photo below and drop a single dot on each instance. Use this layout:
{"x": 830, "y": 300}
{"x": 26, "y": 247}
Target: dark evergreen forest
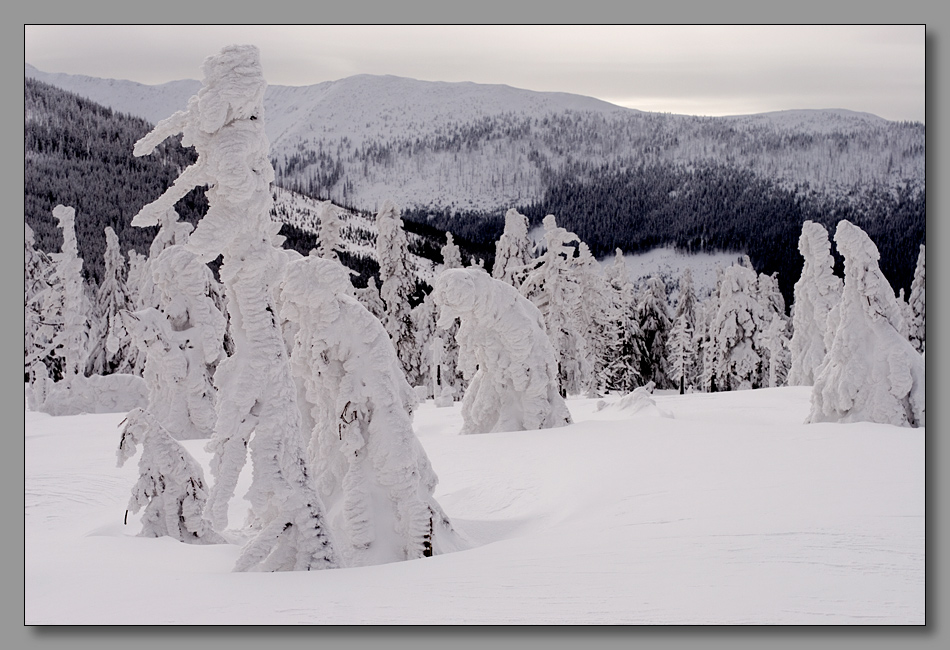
{"x": 719, "y": 208}
{"x": 79, "y": 154}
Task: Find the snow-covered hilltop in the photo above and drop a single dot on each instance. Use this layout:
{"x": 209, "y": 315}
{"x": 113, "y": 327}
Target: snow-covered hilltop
{"x": 467, "y": 146}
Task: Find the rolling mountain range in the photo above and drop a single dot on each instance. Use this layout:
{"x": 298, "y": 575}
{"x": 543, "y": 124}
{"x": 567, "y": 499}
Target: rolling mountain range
{"x": 457, "y": 155}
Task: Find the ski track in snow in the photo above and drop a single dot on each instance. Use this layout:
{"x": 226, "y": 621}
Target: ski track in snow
{"x": 729, "y": 512}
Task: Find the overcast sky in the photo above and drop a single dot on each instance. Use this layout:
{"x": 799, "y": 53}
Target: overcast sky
{"x": 699, "y": 70}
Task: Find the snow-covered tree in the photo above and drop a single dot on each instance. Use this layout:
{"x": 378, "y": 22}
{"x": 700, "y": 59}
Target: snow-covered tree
{"x": 623, "y": 370}
{"x": 111, "y": 349}
{"x": 69, "y": 273}
{"x": 330, "y": 225}
{"x": 41, "y": 319}
{"x": 371, "y": 471}
{"x": 771, "y": 338}
{"x": 554, "y": 288}
{"x": 599, "y": 313}
{"x": 916, "y": 329}
{"x": 171, "y": 485}
{"x": 737, "y": 362}
{"x": 171, "y": 232}
{"x": 369, "y": 298}
{"x": 815, "y": 294}
{"x": 398, "y": 283}
{"x": 451, "y": 255}
{"x": 653, "y": 320}
{"x": 512, "y": 250}
{"x": 257, "y": 408}
{"x": 503, "y": 351}
{"x": 871, "y": 372}
{"x": 682, "y": 362}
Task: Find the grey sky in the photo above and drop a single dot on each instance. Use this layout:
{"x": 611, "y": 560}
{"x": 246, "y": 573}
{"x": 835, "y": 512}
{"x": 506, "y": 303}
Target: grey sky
{"x": 703, "y": 70}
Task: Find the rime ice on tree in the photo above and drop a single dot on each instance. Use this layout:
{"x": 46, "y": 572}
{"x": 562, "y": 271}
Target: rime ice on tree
{"x": 257, "y": 399}
{"x": 171, "y": 484}
{"x": 871, "y": 372}
{"x": 505, "y": 353}
{"x": 371, "y": 471}
{"x": 512, "y": 250}
{"x": 916, "y": 327}
{"x": 816, "y": 293}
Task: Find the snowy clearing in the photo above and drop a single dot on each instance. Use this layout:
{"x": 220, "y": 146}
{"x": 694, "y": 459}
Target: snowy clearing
{"x": 729, "y": 512}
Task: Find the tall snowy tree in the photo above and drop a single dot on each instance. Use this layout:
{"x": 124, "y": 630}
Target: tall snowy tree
{"x": 599, "y": 313}
{"x": 871, "y": 372}
{"x": 111, "y": 348}
{"x": 512, "y": 250}
{"x": 623, "y": 370}
{"x": 682, "y": 345}
{"x": 330, "y": 225}
{"x": 816, "y": 292}
{"x": 41, "y": 319}
{"x": 737, "y": 361}
{"x": 653, "y": 319}
{"x": 369, "y": 298}
{"x": 392, "y": 252}
{"x": 916, "y": 329}
{"x": 451, "y": 255}
{"x": 504, "y": 352}
{"x": 74, "y": 302}
{"x": 771, "y": 339}
{"x": 554, "y": 288}
{"x": 257, "y": 408}
{"x": 371, "y": 471}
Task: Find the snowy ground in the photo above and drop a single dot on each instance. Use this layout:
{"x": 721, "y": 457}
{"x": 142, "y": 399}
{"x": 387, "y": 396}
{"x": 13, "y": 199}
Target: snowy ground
{"x": 730, "y": 511}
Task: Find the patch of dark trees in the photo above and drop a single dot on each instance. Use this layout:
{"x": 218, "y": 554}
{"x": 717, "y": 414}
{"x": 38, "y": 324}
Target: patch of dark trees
{"x": 709, "y": 208}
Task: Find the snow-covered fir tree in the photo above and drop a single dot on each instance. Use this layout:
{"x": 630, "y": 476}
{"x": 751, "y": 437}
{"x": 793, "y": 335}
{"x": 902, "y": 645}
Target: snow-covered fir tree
{"x": 171, "y": 232}
{"x": 682, "y": 347}
{"x": 816, "y": 292}
{"x": 398, "y": 284}
{"x": 41, "y": 318}
{"x": 331, "y": 241}
{"x": 371, "y": 471}
{"x": 554, "y": 288}
{"x": 653, "y": 320}
{"x": 503, "y": 351}
{"x": 623, "y": 369}
{"x": 171, "y": 484}
{"x": 870, "y": 372}
{"x": 68, "y": 266}
{"x": 257, "y": 410}
{"x": 600, "y": 314}
{"x": 771, "y": 338}
{"x": 916, "y": 329}
{"x": 369, "y": 298}
{"x": 737, "y": 361}
{"x": 111, "y": 349}
{"x": 512, "y": 250}
{"x": 451, "y": 255}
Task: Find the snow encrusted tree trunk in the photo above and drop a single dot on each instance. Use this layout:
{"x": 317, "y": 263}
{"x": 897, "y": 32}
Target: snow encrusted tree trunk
{"x": 392, "y": 252}
{"x": 111, "y": 346}
{"x": 371, "y": 471}
{"x": 69, "y": 271}
{"x": 870, "y": 373}
{"x": 257, "y": 409}
{"x": 916, "y": 329}
{"x": 505, "y": 353}
{"x": 171, "y": 485}
{"x": 815, "y": 294}
{"x": 512, "y": 250}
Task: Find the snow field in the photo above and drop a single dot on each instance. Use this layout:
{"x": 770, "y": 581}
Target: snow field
{"x": 729, "y": 512}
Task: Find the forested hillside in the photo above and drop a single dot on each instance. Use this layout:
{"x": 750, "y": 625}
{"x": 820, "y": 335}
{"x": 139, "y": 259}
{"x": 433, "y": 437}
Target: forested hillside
{"x": 78, "y": 153}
